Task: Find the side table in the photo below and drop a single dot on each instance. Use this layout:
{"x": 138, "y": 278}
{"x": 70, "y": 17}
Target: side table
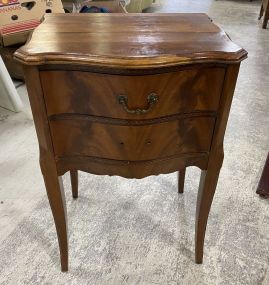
{"x": 131, "y": 95}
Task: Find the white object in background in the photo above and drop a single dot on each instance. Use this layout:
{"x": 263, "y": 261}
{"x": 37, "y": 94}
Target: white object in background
{"x": 9, "y": 97}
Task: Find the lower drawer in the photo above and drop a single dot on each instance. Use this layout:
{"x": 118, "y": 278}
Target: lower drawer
{"x": 133, "y": 143}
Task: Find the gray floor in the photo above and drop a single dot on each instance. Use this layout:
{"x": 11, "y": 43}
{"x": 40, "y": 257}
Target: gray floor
{"x": 141, "y": 232}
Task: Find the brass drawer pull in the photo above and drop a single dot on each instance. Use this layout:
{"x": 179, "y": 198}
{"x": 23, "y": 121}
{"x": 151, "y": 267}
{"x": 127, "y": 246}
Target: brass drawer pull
{"x": 152, "y": 99}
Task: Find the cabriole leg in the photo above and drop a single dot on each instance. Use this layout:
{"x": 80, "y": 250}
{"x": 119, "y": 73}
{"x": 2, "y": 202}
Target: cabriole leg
{"x": 207, "y": 187}
{"x": 55, "y": 192}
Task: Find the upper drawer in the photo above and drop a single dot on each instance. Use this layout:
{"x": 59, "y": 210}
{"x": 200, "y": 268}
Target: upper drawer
{"x": 98, "y": 94}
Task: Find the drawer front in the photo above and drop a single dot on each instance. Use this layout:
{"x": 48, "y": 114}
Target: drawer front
{"x": 86, "y": 138}
{"x": 98, "y": 94}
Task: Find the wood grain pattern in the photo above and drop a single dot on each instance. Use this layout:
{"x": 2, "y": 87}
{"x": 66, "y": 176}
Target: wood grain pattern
{"x": 96, "y": 94}
{"x": 78, "y": 137}
{"x": 74, "y": 75}
{"x": 129, "y": 41}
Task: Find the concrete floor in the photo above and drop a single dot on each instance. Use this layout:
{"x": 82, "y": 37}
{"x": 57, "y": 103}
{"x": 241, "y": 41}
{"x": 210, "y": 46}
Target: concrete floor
{"x": 21, "y": 184}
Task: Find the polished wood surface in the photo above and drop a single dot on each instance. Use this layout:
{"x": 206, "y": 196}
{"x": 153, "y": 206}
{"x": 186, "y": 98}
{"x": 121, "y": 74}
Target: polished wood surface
{"x": 152, "y": 98}
{"x": 129, "y": 41}
{"x": 134, "y": 143}
{"x": 95, "y": 94}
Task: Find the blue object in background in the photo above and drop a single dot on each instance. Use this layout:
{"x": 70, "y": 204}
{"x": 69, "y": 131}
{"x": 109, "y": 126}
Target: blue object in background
{"x": 93, "y": 9}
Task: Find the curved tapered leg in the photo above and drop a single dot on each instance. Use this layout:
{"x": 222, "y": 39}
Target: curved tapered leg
{"x": 181, "y": 180}
{"x": 261, "y": 12}
{"x": 207, "y": 187}
{"x": 266, "y": 17}
{"x": 74, "y": 183}
{"x": 55, "y": 192}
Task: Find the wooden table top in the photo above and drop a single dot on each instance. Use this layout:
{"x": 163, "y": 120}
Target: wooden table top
{"x": 129, "y": 41}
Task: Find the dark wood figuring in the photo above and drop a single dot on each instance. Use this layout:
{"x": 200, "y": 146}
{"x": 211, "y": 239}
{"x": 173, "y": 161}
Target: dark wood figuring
{"x": 94, "y": 93}
{"x": 145, "y": 95}
{"x": 133, "y": 143}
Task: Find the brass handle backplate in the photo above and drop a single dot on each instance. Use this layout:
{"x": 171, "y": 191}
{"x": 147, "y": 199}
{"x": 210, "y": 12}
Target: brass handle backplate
{"x": 152, "y": 99}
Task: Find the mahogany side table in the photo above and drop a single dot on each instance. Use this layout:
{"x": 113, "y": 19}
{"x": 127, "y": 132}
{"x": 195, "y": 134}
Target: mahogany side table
{"x": 131, "y": 95}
